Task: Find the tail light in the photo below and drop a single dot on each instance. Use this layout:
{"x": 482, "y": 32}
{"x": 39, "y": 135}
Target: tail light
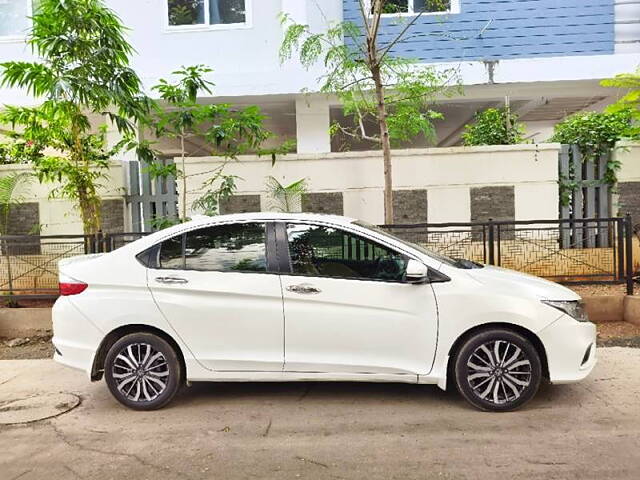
{"x": 72, "y": 288}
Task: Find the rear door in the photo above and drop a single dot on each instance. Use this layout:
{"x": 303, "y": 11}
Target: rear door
{"x": 348, "y": 308}
{"x": 218, "y": 289}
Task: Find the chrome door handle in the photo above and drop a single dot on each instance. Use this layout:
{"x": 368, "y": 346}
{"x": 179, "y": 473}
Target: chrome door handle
{"x": 171, "y": 280}
{"x": 304, "y": 289}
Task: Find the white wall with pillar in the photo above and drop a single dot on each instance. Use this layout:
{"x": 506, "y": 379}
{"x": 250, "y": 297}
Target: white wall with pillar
{"x": 449, "y": 176}
{"x": 312, "y": 124}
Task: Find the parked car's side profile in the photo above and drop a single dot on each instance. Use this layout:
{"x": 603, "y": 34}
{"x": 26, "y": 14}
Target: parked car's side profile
{"x": 292, "y": 297}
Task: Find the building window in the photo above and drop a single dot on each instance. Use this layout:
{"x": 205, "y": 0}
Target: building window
{"x": 14, "y": 17}
{"x": 414, "y": 7}
{"x": 183, "y": 13}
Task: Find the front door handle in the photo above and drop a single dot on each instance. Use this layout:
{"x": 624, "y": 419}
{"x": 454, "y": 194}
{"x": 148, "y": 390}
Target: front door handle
{"x": 171, "y": 280}
{"x": 304, "y": 289}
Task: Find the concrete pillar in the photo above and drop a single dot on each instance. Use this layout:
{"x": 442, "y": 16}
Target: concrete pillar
{"x": 312, "y": 124}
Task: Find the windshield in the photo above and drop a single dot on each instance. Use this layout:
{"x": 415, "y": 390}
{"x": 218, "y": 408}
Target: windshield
{"x": 436, "y": 256}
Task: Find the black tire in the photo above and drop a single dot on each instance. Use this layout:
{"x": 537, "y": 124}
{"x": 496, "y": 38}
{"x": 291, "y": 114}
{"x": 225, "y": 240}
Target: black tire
{"x": 498, "y": 385}
{"x": 152, "y": 381}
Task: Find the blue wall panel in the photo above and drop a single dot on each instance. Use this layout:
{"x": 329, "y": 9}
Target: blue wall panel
{"x": 493, "y": 30}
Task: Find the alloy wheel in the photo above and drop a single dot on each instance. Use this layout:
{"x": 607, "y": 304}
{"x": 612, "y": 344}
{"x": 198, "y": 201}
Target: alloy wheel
{"x": 141, "y": 372}
{"x": 499, "y": 372}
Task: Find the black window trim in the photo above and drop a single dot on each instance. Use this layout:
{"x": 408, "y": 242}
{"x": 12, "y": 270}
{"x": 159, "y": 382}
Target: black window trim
{"x": 149, "y": 257}
{"x": 287, "y": 269}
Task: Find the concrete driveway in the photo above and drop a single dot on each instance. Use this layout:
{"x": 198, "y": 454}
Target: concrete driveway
{"x": 361, "y": 431}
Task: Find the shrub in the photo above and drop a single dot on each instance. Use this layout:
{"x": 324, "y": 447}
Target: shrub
{"x": 594, "y": 132}
{"x": 494, "y": 126}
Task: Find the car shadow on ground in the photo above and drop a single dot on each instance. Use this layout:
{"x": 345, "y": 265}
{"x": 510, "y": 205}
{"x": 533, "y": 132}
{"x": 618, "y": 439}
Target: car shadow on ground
{"x": 299, "y": 391}
{"x": 345, "y": 393}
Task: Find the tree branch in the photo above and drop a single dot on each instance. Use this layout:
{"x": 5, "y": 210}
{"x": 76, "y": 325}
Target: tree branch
{"x": 400, "y": 36}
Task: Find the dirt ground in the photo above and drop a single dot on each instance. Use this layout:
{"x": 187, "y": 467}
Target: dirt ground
{"x": 32, "y": 303}
{"x": 33, "y": 348}
{"x": 597, "y": 290}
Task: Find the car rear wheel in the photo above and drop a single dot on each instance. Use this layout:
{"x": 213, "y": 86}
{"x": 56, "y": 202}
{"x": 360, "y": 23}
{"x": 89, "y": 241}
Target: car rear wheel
{"x": 498, "y": 370}
{"x": 142, "y": 371}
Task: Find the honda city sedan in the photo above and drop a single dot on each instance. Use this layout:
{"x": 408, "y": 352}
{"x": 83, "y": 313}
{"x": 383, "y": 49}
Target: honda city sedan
{"x": 305, "y": 297}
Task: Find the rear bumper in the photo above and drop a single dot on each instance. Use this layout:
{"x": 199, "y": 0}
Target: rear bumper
{"x": 75, "y": 338}
{"x": 571, "y": 349}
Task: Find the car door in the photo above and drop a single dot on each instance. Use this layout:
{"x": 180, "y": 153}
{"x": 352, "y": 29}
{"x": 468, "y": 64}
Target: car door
{"x": 217, "y": 288}
{"x": 347, "y": 307}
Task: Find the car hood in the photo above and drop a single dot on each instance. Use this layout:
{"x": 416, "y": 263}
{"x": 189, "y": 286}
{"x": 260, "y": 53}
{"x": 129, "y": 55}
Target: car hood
{"x": 522, "y": 284}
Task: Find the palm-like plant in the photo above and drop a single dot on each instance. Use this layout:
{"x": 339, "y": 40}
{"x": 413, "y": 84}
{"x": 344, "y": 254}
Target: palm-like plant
{"x": 10, "y": 195}
{"x": 287, "y": 199}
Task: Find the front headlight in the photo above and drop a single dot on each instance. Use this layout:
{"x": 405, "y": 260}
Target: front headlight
{"x": 574, "y": 309}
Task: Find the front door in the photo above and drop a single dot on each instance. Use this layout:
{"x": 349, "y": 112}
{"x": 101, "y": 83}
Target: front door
{"x": 348, "y": 309}
{"x": 215, "y": 287}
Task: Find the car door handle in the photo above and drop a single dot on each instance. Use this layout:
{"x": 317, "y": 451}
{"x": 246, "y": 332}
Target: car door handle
{"x": 304, "y": 289}
{"x": 171, "y": 280}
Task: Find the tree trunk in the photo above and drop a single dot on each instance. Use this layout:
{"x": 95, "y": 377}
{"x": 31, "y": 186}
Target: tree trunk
{"x": 373, "y": 63}
{"x": 90, "y": 211}
{"x": 386, "y": 145}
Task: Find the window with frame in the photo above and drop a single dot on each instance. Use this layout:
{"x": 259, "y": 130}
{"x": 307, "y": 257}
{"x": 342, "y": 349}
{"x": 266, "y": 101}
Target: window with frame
{"x": 321, "y": 251}
{"x": 206, "y": 12}
{"x": 14, "y": 17}
{"x": 414, "y": 7}
{"x": 236, "y": 247}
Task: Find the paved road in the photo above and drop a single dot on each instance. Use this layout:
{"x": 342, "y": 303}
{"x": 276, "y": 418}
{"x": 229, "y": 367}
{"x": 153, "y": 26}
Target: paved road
{"x": 360, "y": 431}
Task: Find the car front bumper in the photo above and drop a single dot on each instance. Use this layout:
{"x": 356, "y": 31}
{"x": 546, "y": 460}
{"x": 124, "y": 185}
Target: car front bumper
{"x": 571, "y": 349}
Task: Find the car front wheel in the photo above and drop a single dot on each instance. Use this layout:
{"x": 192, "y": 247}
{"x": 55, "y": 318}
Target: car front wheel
{"x": 498, "y": 370}
{"x": 142, "y": 371}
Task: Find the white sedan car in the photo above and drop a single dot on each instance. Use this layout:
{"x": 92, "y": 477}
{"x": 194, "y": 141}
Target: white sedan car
{"x": 303, "y": 297}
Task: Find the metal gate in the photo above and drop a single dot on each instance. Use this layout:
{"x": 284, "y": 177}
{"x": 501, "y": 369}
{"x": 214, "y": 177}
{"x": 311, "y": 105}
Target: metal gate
{"x": 586, "y": 195}
{"x": 149, "y": 199}
{"x": 535, "y": 247}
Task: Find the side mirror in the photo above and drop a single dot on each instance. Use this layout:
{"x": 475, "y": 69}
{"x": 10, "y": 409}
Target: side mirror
{"x": 417, "y": 272}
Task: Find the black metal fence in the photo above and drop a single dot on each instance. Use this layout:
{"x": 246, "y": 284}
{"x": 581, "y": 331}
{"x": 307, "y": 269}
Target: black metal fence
{"x": 591, "y": 250}
{"x": 566, "y": 251}
{"x": 29, "y": 263}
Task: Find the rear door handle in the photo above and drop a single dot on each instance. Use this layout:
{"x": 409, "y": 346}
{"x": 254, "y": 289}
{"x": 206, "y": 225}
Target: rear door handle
{"x": 171, "y": 280}
{"x": 304, "y": 289}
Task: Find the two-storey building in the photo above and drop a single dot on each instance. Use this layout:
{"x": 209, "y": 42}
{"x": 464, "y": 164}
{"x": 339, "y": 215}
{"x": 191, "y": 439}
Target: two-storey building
{"x": 547, "y": 56}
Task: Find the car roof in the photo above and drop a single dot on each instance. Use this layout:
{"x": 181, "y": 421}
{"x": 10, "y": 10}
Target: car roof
{"x": 265, "y": 216}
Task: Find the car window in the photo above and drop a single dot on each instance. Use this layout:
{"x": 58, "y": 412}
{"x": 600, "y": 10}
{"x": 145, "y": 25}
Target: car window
{"x": 170, "y": 256}
{"x": 236, "y": 247}
{"x": 329, "y": 252}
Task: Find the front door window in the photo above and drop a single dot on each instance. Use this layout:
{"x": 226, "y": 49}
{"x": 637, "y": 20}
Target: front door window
{"x": 322, "y": 251}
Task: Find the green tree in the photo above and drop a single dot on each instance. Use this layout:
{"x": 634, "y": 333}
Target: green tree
{"x": 83, "y": 73}
{"x": 373, "y": 85}
{"x": 630, "y": 101}
{"x": 228, "y": 132}
{"x": 494, "y": 126}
